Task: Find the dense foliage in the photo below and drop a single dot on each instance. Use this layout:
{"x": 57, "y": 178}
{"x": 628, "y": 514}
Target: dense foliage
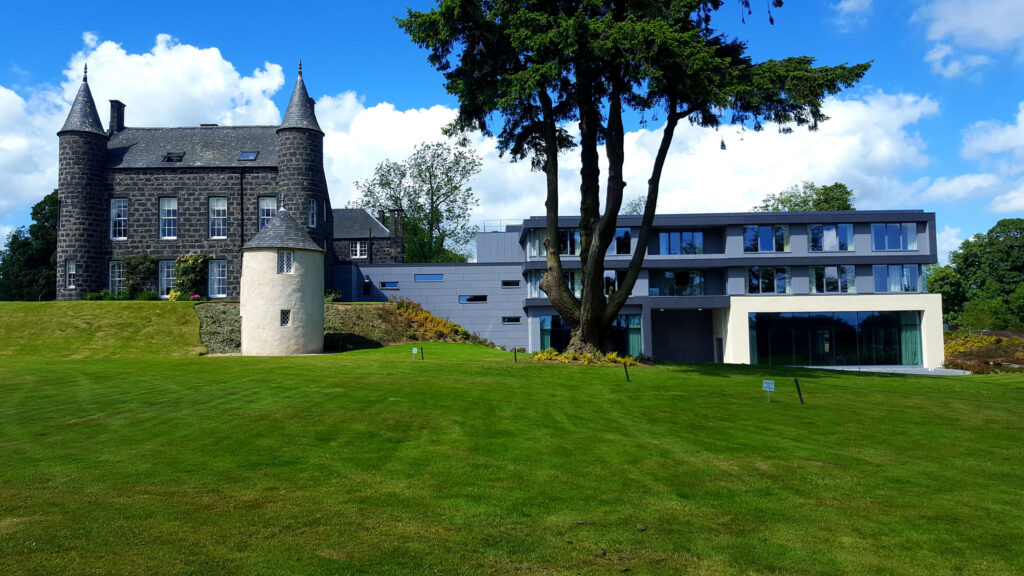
{"x": 432, "y": 187}
{"x": 982, "y": 287}
{"x": 28, "y": 258}
{"x": 190, "y": 274}
{"x": 139, "y": 271}
{"x": 524, "y": 70}
{"x": 809, "y": 197}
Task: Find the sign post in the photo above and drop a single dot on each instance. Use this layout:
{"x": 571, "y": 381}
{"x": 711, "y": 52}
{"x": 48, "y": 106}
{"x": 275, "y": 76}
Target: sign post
{"x": 768, "y": 386}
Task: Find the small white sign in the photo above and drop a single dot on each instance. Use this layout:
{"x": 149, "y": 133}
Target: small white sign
{"x": 415, "y": 350}
{"x": 768, "y": 385}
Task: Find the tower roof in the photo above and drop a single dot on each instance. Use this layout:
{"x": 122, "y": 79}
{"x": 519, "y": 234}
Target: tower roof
{"x": 300, "y": 112}
{"x": 83, "y": 116}
{"x": 282, "y": 232}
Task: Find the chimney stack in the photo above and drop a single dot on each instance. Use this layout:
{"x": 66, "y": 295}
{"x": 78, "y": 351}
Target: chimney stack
{"x": 116, "y": 116}
{"x": 397, "y": 246}
{"x": 380, "y": 218}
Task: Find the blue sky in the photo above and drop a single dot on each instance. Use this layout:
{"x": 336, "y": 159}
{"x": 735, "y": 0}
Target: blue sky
{"x": 937, "y": 124}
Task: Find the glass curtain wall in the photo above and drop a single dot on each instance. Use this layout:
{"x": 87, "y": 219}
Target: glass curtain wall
{"x": 835, "y": 338}
{"x": 626, "y": 335}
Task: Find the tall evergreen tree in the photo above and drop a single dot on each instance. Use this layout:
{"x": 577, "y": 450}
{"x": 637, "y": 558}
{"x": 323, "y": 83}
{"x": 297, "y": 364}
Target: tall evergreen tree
{"x": 539, "y": 65}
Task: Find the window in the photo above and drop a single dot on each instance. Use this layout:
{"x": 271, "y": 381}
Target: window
{"x": 833, "y": 280}
{"x": 511, "y": 319}
{"x": 475, "y": 299}
{"x": 119, "y": 218}
{"x": 428, "y": 277}
{"x": 568, "y": 242}
{"x": 676, "y": 283}
{"x": 769, "y": 280}
{"x": 312, "y": 213}
{"x": 673, "y": 242}
{"x": 766, "y": 238}
{"x": 218, "y": 276}
{"x": 69, "y": 274}
{"x": 286, "y": 317}
{"x": 168, "y": 218}
{"x": 357, "y": 249}
{"x": 173, "y": 156}
{"x": 623, "y": 241}
{"x": 267, "y": 209}
{"x": 116, "y": 277}
{"x": 367, "y": 287}
{"x": 894, "y": 236}
{"x": 218, "y": 217}
{"x": 613, "y": 281}
{"x": 285, "y": 262}
{"x": 248, "y": 156}
{"x": 897, "y": 278}
{"x": 389, "y": 285}
{"x": 510, "y": 283}
{"x": 830, "y": 237}
{"x": 166, "y": 277}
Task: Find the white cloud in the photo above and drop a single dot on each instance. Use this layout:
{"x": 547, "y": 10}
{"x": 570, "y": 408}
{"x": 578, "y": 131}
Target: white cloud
{"x": 1009, "y": 202}
{"x": 851, "y": 13}
{"x": 948, "y": 240}
{"x": 174, "y": 84}
{"x": 5, "y": 231}
{"x": 944, "y": 62}
{"x": 958, "y": 25}
{"x": 991, "y": 137}
{"x": 983, "y": 24}
{"x": 958, "y": 187}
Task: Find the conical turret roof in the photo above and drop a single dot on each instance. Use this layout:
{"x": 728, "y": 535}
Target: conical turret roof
{"x": 83, "y": 116}
{"x": 282, "y": 232}
{"x": 300, "y": 112}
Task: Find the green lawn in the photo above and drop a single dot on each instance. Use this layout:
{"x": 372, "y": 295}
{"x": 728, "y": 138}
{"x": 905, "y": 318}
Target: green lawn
{"x": 117, "y": 460}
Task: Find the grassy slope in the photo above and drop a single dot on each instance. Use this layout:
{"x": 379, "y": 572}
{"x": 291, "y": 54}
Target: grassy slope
{"x": 99, "y": 329}
{"x": 464, "y": 463}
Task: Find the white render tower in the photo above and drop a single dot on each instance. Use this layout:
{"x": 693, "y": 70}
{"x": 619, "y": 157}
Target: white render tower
{"x": 282, "y": 291}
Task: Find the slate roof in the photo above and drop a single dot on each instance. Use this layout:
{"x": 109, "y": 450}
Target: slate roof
{"x": 282, "y": 232}
{"x": 204, "y": 146}
{"x": 357, "y": 224}
{"x": 300, "y": 112}
{"x": 83, "y": 116}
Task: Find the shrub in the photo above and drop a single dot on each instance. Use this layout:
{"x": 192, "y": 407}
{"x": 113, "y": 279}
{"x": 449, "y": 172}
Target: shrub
{"x": 220, "y": 327}
{"x": 612, "y": 358}
{"x": 174, "y": 296}
{"x": 332, "y": 295}
{"x": 94, "y": 295}
{"x": 147, "y": 295}
{"x": 139, "y": 269}
{"x": 190, "y": 273}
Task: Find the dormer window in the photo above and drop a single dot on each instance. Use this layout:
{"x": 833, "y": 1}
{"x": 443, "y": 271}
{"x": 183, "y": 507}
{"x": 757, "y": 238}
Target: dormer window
{"x": 248, "y": 156}
{"x": 173, "y": 156}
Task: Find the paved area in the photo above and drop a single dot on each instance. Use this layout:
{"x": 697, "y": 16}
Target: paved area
{"x": 915, "y": 370}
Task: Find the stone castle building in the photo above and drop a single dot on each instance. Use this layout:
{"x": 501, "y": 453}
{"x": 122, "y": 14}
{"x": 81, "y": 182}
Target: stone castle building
{"x": 205, "y": 189}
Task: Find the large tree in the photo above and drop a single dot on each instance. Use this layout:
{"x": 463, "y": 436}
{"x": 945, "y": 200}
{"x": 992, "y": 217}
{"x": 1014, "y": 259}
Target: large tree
{"x": 809, "y": 197}
{"x": 28, "y": 261}
{"x": 536, "y": 66}
{"x": 983, "y": 285}
{"x": 432, "y": 187}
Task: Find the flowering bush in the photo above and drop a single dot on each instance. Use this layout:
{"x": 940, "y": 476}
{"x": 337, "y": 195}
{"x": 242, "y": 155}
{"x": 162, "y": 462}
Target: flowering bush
{"x": 425, "y": 326}
{"x": 190, "y": 273}
{"x": 612, "y": 358}
{"x": 174, "y": 296}
{"x": 195, "y": 297}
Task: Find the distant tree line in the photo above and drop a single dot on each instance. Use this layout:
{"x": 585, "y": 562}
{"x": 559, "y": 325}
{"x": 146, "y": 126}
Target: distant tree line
{"x": 28, "y": 258}
{"x": 982, "y": 287}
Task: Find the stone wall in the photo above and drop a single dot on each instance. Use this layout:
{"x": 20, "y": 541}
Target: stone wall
{"x": 193, "y": 188}
{"x": 84, "y": 213}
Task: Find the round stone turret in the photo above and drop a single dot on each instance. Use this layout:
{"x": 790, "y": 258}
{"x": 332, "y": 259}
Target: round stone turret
{"x": 300, "y": 171}
{"x": 84, "y": 211}
{"x": 282, "y": 291}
